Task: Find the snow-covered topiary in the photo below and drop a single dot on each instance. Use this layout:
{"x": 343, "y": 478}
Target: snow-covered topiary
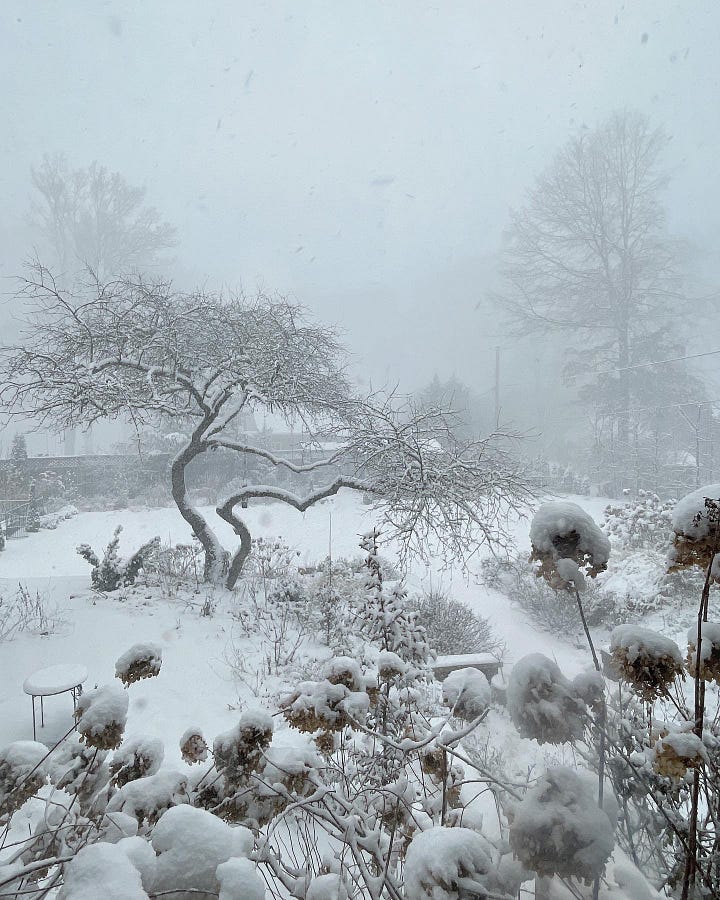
{"x": 101, "y": 716}
{"x": 648, "y": 661}
{"x": 557, "y": 828}
{"x": 140, "y": 661}
{"x": 446, "y": 864}
{"x": 542, "y": 703}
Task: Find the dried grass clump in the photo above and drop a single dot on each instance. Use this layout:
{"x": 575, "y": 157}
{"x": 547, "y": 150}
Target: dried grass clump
{"x": 193, "y": 747}
{"x": 649, "y": 662}
{"x": 22, "y": 773}
{"x": 676, "y": 753}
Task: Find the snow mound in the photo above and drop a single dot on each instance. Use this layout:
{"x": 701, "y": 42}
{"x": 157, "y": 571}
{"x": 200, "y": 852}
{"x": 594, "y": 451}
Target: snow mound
{"x": 446, "y": 864}
{"x": 326, "y": 887}
{"x": 102, "y": 870}
{"x": 239, "y": 880}
{"x": 191, "y": 843}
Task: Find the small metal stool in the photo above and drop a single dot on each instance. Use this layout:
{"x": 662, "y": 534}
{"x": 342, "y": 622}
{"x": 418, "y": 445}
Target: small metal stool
{"x": 62, "y": 679}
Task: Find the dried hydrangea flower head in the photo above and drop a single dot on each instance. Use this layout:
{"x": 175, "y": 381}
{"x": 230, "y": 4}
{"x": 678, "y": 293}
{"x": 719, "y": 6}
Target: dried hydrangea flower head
{"x": 678, "y": 752}
{"x": 467, "y": 693}
{"x": 193, "y": 747}
{"x": 557, "y": 828}
{"x": 22, "y": 773}
{"x": 695, "y": 522}
{"x": 542, "y": 703}
{"x": 136, "y": 758}
{"x": 140, "y": 661}
{"x": 567, "y": 543}
{"x": 646, "y": 660}
{"x": 239, "y": 752}
{"x": 101, "y": 717}
{"x": 709, "y": 651}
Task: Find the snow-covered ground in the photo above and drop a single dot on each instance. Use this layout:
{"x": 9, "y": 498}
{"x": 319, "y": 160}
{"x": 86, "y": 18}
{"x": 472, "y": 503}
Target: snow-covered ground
{"x": 196, "y": 685}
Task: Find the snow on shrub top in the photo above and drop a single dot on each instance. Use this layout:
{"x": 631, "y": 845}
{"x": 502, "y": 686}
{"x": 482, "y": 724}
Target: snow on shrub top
{"x": 559, "y": 519}
{"x": 326, "y": 887}
{"x": 191, "y": 843}
{"x": 690, "y": 516}
{"x": 239, "y": 880}
{"x": 467, "y": 692}
{"x": 557, "y": 828}
{"x": 102, "y": 715}
{"x": 146, "y": 799}
{"x": 102, "y": 870}
{"x": 440, "y": 858}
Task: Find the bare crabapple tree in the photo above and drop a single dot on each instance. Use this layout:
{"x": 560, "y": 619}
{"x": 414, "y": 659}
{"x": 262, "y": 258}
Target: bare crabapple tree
{"x": 143, "y": 351}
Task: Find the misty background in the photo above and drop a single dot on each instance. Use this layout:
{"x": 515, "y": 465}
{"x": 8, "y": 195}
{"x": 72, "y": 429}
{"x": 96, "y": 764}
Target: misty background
{"x": 362, "y": 158}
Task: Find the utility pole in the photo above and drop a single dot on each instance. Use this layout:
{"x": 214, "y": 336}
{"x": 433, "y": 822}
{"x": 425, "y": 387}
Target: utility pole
{"x": 497, "y": 387}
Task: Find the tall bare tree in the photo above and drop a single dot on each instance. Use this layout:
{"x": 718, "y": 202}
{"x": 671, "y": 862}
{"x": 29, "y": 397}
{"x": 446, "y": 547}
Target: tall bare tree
{"x": 140, "y": 349}
{"x": 588, "y": 256}
{"x": 92, "y": 218}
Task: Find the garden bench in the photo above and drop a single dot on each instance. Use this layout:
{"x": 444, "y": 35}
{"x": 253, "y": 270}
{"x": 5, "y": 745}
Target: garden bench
{"x": 486, "y": 663}
{"x": 61, "y": 679}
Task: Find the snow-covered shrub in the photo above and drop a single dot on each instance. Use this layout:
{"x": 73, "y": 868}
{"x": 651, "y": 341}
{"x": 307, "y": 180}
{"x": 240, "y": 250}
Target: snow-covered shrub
{"x": 696, "y": 527}
{"x": 101, "y": 716}
{"x": 542, "y": 703}
{"x": 140, "y": 661}
{"x": 23, "y": 769}
{"x": 112, "y": 572}
{"x": 451, "y": 626}
{"x": 557, "y": 828}
{"x": 643, "y": 522}
{"x": 446, "y": 864}
{"x": 466, "y": 692}
{"x": 648, "y": 661}
{"x": 563, "y": 531}
{"x": 172, "y": 565}
{"x": 552, "y": 610}
{"x": 709, "y": 651}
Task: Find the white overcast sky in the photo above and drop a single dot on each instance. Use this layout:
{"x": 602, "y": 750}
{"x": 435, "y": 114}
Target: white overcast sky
{"x": 360, "y": 156}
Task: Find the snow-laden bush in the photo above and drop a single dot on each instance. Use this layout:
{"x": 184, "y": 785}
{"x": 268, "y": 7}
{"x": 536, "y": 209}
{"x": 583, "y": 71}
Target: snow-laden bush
{"x": 643, "y": 522}
{"x": 557, "y": 828}
{"x": 451, "y": 626}
{"x": 112, "y": 572}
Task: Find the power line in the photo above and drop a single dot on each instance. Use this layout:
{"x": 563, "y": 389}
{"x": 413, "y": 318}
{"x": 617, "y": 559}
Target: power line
{"x": 662, "y": 362}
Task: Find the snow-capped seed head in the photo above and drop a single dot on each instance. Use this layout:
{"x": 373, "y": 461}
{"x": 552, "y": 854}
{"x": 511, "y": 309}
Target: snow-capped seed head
{"x": 467, "y": 693}
{"x": 238, "y": 752}
{"x": 343, "y": 670}
{"x": 542, "y": 703}
{"x": 709, "y": 651}
{"x": 193, "y": 746}
{"x": 390, "y": 666}
{"x": 648, "y": 661}
{"x": 23, "y": 770}
{"x": 695, "y": 521}
{"x": 440, "y": 859}
{"x": 101, "y": 717}
{"x": 317, "y": 706}
{"x": 561, "y": 534}
{"x": 676, "y": 753}
{"x": 137, "y": 758}
{"x": 140, "y": 661}
{"x": 557, "y": 828}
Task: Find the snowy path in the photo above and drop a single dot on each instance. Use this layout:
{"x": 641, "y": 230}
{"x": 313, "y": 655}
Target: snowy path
{"x": 195, "y": 685}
